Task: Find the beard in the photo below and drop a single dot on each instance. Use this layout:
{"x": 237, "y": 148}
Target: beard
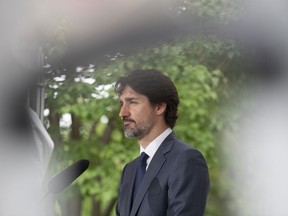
{"x": 140, "y": 130}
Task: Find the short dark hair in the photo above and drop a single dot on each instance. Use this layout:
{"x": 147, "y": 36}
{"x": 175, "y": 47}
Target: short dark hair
{"x": 156, "y": 86}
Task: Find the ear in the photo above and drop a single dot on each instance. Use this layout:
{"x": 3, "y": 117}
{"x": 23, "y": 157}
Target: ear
{"x": 161, "y": 108}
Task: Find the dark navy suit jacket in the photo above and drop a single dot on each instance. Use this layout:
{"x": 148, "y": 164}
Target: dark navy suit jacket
{"x": 176, "y": 183}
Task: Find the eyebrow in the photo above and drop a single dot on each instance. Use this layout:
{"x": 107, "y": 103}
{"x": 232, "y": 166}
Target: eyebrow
{"x": 130, "y": 99}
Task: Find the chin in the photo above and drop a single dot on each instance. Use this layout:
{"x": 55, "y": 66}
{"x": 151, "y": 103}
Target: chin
{"x": 131, "y": 133}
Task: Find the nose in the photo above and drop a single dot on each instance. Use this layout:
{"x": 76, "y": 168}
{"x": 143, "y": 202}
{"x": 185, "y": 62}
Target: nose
{"x": 124, "y": 111}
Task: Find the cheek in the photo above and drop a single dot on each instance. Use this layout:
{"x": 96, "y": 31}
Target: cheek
{"x": 138, "y": 111}
{"x": 143, "y": 113}
{"x": 147, "y": 116}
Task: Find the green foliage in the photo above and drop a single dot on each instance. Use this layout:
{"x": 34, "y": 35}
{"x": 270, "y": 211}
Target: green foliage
{"x": 221, "y": 11}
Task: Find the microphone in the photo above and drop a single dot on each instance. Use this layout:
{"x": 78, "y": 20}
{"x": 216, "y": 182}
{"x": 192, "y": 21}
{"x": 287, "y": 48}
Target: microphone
{"x": 63, "y": 179}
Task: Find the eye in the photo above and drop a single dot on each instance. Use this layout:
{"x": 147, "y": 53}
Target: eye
{"x": 133, "y": 102}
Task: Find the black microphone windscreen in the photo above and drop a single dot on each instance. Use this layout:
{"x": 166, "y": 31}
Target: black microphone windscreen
{"x": 62, "y": 180}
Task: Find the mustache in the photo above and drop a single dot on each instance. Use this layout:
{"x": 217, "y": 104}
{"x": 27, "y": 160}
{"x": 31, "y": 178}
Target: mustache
{"x": 127, "y": 119}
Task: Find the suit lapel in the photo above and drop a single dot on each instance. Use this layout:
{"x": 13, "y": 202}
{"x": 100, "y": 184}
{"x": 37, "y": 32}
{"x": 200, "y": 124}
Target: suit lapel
{"x": 153, "y": 169}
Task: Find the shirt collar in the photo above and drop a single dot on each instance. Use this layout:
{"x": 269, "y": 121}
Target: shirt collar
{"x": 155, "y": 144}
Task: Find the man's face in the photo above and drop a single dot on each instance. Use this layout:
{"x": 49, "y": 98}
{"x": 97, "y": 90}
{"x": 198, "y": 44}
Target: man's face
{"x": 137, "y": 114}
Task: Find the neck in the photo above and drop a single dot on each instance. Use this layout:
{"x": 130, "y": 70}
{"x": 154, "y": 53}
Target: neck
{"x": 155, "y": 132}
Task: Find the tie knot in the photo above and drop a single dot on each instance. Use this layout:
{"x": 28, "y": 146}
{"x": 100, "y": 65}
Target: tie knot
{"x": 143, "y": 157}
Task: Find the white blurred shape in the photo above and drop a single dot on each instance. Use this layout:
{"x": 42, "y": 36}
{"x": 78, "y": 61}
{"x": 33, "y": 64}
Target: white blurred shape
{"x": 259, "y": 148}
{"x": 44, "y": 143}
{"x": 260, "y": 156}
{"x": 66, "y": 120}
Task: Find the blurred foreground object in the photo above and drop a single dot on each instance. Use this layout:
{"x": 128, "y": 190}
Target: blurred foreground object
{"x": 63, "y": 179}
{"x": 258, "y": 145}
{"x": 25, "y": 146}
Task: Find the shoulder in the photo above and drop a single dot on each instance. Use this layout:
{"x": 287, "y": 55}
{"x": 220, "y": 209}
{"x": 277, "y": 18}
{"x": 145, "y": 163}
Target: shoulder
{"x": 130, "y": 167}
{"x": 185, "y": 153}
{"x": 131, "y": 164}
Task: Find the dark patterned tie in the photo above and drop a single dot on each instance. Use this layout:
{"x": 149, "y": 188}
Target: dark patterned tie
{"x": 141, "y": 170}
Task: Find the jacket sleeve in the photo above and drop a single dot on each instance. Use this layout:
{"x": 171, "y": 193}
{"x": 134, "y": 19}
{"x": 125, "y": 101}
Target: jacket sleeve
{"x": 189, "y": 185}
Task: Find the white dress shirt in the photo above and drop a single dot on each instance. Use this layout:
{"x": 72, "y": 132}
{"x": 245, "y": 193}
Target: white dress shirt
{"x": 151, "y": 149}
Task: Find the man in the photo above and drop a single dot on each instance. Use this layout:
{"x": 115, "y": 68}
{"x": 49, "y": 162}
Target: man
{"x": 174, "y": 180}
